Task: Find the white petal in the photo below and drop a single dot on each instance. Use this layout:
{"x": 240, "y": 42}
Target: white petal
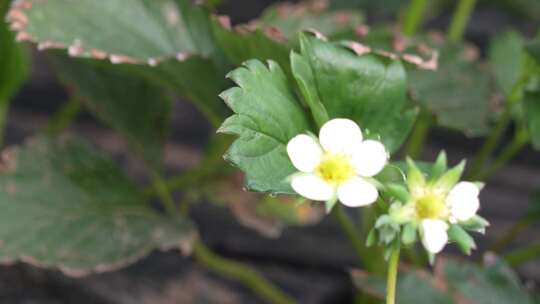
{"x": 463, "y": 200}
{"x": 312, "y": 187}
{"x": 340, "y": 135}
{"x": 370, "y": 158}
{"x": 357, "y": 192}
{"x": 434, "y": 236}
{"x": 304, "y": 152}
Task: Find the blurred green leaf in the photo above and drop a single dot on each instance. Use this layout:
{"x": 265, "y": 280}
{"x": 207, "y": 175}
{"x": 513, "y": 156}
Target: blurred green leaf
{"x": 368, "y": 89}
{"x": 266, "y": 117}
{"x": 241, "y": 44}
{"x": 137, "y": 109}
{"x": 122, "y": 30}
{"x": 533, "y": 48}
{"x": 493, "y": 284}
{"x": 412, "y": 288}
{"x": 458, "y": 93}
{"x": 292, "y": 18}
{"x": 13, "y": 66}
{"x": 507, "y": 60}
{"x": 65, "y": 206}
{"x": 454, "y": 281}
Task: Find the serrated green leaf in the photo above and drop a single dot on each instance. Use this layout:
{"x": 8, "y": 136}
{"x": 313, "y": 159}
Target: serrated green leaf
{"x": 65, "y": 206}
{"x": 137, "y": 109}
{"x": 464, "y": 241}
{"x": 291, "y": 18}
{"x": 308, "y": 87}
{"x": 368, "y": 89}
{"x": 123, "y": 30}
{"x": 266, "y": 117}
{"x": 506, "y": 59}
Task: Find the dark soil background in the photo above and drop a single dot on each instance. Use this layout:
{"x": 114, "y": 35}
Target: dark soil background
{"x": 310, "y": 263}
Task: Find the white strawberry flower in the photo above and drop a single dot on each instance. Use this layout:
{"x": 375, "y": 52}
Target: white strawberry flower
{"x": 337, "y": 164}
{"x": 435, "y": 205}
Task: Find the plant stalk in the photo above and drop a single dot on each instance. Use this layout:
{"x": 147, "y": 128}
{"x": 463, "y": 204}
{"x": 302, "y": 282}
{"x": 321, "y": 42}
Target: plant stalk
{"x": 419, "y": 134}
{"x": 413, "y": 17}
{"x": 350, "y": 231}
{"x": 490, "y": 144}
{"x": 460, "y": 19}
{"x": 63, "y": 118}
{"x": 391, "y": 282}
{"x": 523, "y": 255}
{"x": 240, "y": 272}
{"x": 518, "y": 142}
{"x": 511, "y": 234}
{"x": 4, "y": 108}
{"x": 220, "y": 265}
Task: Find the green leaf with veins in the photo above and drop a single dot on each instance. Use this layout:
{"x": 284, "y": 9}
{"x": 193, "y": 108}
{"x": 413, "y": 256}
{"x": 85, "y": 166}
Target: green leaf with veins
{"x": 368, "y": 89}
{"x": 65, "y": 206}
{"x": 266, "y": 117}
{"x": 131, "y": 105}
{"x": 139, "y": 30}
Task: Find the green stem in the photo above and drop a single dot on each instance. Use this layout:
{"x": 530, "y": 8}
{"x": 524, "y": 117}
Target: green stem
{"x": 218, "y": 264}
{"x": 163, "y": 192}
{"x": 350, "y": 231}
{"x": 490, "y": 144}
{"x": 419, "y": 134}
{"x": 64, "y": 117}
{"x": 392, "y": 277}
{"x": 413, "y": 18}
{"x": 508, "y": 153}
{"x": 4, "y": 107}
{"x": 241, "y": 273}
{"x": 460, "y": 19}
{"x": 523, "y": 255}
{"x": 511, "y": 234}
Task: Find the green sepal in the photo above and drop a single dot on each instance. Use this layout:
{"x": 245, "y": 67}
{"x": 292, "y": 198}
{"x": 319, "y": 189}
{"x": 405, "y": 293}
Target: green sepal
{"x": 476, "y": 224}
{"x": 439, "y": 167}
{"x": 399, "y": 192}
{"x": 463, "y": 240}
{"x": 450, "y": 178}
{"x": 415, "y": 177}
{"x": 371, "y": 238}
{"x": 408, "y": 234}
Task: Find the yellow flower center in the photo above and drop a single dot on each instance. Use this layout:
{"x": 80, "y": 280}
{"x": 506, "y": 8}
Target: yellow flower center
{"x": 335, "y": 168}
{"x": 430, "y": 206}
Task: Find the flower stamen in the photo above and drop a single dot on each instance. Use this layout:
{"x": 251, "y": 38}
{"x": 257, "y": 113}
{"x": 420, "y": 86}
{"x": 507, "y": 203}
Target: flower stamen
{"x": 335, "y": 168}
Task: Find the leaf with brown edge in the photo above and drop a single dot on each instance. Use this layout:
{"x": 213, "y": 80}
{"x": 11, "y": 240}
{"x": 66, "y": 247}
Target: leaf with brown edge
{"x": 265, "y": 214}
{"x": 65, "y": 206}
{"x": 123, "y": 31}
{"x": 292, "y": 18}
